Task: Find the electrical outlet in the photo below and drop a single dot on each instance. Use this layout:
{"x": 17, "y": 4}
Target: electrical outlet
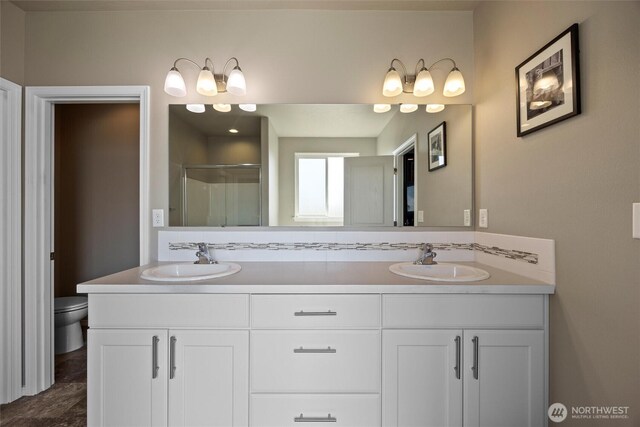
{"x": 420, "y": 216}
{"x": 467, "y": 217}
{"x": 636, "y": 220}
{"x": 483, "y": 221}
{"x": 158, "y": 217}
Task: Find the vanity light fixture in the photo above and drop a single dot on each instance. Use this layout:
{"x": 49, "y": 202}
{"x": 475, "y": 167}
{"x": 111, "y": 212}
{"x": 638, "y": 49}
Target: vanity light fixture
{"x": 381, "y": 108}
{"x": 408, "y": 108}
{"x": 249, "y": 108}
{"x": 222, "y": 108}
{"x": 434, "y": 108}
{"x": 209, "y": 83}
{"x": 195, "y": 108}
{"x": 420, "y": 83}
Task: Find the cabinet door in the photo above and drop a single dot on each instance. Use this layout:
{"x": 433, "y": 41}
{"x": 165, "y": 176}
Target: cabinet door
{"x": 209, "y": 378}
{"x": 127, "y": 378}
{"x": 503, "y": 378}
{"x": 422, "y": 384}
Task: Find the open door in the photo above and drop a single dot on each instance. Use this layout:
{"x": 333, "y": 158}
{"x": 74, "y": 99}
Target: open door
{"x": 368, "y": 191}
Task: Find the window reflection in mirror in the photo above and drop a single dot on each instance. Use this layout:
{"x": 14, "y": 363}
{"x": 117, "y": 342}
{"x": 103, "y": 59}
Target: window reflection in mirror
{"x": 317, "y": 165}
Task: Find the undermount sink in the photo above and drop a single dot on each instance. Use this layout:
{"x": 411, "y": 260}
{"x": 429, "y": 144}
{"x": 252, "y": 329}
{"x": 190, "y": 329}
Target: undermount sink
{"x": 441, "y": 272}
{"x": 188, "y": 272}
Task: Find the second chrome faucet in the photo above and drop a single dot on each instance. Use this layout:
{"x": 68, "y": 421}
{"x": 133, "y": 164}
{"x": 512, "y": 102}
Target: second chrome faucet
{"x": 427, "y": 256}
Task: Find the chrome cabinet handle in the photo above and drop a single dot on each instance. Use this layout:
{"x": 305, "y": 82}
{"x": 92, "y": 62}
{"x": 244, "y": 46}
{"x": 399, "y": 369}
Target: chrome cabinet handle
{"x": 476, "y": 345}
{"x": 172, "y": 356}
{"x": 457, "y": 367}
{"x": 154, "y": 357}
{"x": 315, "y": 313}
{"x": 314, "y": 350}
{"x": 303, "y": 419}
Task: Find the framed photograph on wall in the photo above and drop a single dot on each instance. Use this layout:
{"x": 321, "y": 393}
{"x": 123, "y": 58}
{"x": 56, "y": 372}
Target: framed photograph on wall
{"x": 437, "y": 140}
{"x": 548, "y": 84}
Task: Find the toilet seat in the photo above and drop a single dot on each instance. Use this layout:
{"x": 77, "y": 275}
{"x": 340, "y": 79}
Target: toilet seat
{"x": 67, "y": 304}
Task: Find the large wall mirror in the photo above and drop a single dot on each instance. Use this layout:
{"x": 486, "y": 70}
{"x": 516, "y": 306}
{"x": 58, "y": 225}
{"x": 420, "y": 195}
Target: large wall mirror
{"x": 319, "y": 165}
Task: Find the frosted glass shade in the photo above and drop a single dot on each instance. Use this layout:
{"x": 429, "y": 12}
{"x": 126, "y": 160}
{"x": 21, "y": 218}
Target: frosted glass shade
{"x": 223, "y": 108}
{"x": 381, "y": 108}
{"x": 247, "y": 107}
{"x": 206, "y": 84}
{"x": 454, "y": 85}
{"x": 424, "y": 84}
{"x": 174, "y": 83}
{"x": 392, "y": 83}
{"x": 434, "y": 108}
{"x": 236, "y": 83}
{"x": 195, "y": 108}
{"x": 408, "y": 108}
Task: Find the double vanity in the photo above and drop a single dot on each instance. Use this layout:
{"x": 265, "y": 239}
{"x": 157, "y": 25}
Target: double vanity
{"x": 321, "y": 343}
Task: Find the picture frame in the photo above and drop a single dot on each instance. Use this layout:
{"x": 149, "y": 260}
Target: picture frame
{"x": 548, "y": 84}
{"x": 437, "y": 140}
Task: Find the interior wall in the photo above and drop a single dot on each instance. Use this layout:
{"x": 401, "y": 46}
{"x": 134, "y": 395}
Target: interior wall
{"x": 573, "y": 182}
{"x": 286, "y": 163}
{"x": 233, "y": 150}
{"x": 96, "y": 192}
{"x": 288, "y": 56}
{"x": 273, "y": 170}
{"x": 12, "y": 42}
{"x": 443, "y": 194}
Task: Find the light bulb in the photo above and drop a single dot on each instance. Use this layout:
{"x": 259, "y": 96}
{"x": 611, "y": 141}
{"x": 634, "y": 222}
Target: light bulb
{"x": 392, "y": 83}
{"x": 250, "y": 108}
{"x": 206, "y": 84}
{"x": 381, "y": 108}
{"x": 424, "y": 83}
{"x": 223, "y": 108}
{"x": 174, "y": 83}
{"x": 408, "y": 108}
{"x": 434, "y": 108}
{"x": 233, "y": 130}
{"x": 454, "y": 85}
{"x": 236, "y": 84}
{"x": 195, "y": 108}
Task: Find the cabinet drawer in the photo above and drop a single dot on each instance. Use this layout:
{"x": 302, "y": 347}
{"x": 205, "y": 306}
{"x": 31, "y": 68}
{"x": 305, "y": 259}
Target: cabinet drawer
{"x": 463, "y": 311}
{"x": 300, "y": 410}
{"x": 315, "y": 361}
{"x": 315, "y": 311}
{"x": 168, "y": 311}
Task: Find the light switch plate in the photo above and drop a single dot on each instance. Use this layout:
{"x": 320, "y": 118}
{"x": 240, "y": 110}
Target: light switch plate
{"x": 158, "y": 217}
{"x": 467, "y": 217}
{"x": 420, "y": 216}
{"x": 636, "y": 220}
{"x": 483, "y": 221}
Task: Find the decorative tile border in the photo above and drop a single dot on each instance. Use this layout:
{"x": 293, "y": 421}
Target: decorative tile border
{"x": 516, "y": 255}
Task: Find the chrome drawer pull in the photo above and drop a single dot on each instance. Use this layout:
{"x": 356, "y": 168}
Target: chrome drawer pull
{"x": 303, "y": 419}
{"x": 476, "y": 350}
{"x": 154, "y": 357}
{"x": 172, "y": 356}
{"x": 315, "y": 313}
{"x": 457, "y": 367}
{"x": 314, "y": 350}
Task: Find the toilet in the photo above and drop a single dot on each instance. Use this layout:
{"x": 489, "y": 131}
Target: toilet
{"x": 68, "y": 311}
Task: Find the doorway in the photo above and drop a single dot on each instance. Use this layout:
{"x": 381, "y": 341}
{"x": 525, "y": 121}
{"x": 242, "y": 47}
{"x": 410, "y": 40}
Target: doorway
{"x": 406, "y": 186}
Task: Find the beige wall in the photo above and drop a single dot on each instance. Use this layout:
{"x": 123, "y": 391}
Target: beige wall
{"x": 233, "y": 150}
{"x": 287, "y": 56}
{"x": 272, "y": 163}
{"x": 12, "y": 42}
{"x": 286, "y": 165}
{"x": 573, "y": 182}
{"x": 445, "y": 193}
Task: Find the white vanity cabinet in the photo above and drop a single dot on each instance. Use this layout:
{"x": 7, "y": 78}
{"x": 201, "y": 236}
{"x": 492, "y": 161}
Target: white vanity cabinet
{"x": 435, "y": 358}
{"x": 148, "y": 374}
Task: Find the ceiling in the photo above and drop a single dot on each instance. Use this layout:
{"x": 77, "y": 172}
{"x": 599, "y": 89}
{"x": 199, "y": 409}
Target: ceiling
{"x": 104, "y": 5}
{"x": 292, "y": 120}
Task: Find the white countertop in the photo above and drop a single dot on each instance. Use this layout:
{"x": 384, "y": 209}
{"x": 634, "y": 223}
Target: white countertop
{"x": 316, "y": 277}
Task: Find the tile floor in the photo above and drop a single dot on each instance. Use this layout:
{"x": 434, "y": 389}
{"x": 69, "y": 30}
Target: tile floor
{"x": 63, "y": 405}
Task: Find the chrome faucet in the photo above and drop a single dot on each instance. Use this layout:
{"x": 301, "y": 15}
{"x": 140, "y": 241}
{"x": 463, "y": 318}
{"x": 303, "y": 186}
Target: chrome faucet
{"x": 204, "y": 257}
{"x": 427, "y": 255}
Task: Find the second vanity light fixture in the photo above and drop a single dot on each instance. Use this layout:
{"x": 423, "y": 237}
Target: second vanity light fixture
{"x": 209, "y": 83}
{"x": 421, "y": 83}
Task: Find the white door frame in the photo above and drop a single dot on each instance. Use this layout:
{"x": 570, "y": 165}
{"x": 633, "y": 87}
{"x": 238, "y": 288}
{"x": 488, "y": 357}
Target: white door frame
{"x": 411, "y": 143}
{"x": 38, "y": 289}
{"x": 11, "y": 238}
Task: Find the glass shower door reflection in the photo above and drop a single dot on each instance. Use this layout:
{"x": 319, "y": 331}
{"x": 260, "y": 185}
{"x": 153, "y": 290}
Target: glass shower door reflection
{"x": 221, "y": 195}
